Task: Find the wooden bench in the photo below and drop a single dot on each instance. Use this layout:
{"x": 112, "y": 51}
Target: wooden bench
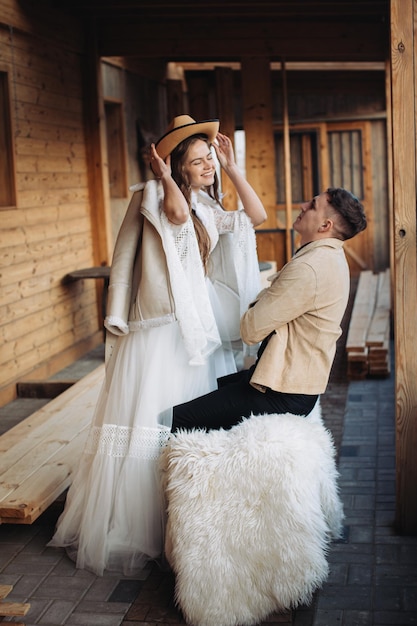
{"x": 38, "y": 456}
{"x": 11, "y": 609}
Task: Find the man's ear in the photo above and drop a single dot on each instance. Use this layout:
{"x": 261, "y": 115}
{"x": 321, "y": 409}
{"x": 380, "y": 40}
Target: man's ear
{"x": 326, "y": 226}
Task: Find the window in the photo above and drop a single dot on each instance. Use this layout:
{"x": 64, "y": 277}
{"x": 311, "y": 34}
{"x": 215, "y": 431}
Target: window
{"x": 7, "y": 171}
{"x": 345, "y": 157}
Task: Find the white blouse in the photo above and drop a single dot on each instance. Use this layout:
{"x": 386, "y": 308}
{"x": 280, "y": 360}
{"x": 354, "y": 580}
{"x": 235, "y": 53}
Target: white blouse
{"x": 234, "y": 264}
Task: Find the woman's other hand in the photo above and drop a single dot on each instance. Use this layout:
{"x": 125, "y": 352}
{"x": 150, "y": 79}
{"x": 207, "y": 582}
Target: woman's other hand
{"x": 251, "y": 202}
{"x": 224, "y": 151}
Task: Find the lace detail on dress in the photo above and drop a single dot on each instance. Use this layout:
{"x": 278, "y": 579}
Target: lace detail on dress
{"x": 181, "y": 241}
{"x": 154, "y": 322}
{"x": 238, "y": 223}
{"x": 123, "y": 441}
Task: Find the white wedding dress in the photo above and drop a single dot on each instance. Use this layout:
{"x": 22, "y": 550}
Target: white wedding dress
{"x": 114, "y": 513}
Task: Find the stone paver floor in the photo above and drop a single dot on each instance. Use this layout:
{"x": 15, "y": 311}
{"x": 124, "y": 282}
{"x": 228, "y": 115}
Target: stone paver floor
{"x": 373, "y": 570}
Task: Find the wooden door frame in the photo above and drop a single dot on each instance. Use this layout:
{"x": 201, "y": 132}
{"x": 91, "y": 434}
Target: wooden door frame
{"x": 322, "y": 128}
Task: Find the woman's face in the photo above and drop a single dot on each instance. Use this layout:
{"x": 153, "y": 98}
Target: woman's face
{"x": 199, "y": 166}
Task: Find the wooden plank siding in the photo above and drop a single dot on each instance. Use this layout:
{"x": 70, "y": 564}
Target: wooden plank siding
{"x": 44, "y": 324}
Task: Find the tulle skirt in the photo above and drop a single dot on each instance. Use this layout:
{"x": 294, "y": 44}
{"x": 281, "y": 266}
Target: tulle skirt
{"x": 114, "y": 513}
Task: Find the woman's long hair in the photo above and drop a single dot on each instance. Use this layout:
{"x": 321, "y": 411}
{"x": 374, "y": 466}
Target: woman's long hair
{"x": 178, "y": 157}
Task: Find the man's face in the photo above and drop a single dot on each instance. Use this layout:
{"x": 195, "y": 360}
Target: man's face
{"x": 314, "y": 215}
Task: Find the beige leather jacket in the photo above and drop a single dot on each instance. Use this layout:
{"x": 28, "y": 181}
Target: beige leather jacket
{"x": 147, "y": 271}
{"x": 303, "y": 308}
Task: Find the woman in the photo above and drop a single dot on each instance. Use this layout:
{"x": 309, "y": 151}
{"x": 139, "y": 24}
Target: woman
{"x": 170, "y": 272}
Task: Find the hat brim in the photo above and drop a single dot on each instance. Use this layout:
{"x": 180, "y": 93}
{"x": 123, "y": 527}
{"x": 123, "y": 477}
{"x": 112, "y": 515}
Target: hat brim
{"x": 173, "y": 138}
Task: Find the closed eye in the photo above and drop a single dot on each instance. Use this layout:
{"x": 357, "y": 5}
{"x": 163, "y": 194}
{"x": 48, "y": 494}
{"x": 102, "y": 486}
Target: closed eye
{"x": 199, "y": 161}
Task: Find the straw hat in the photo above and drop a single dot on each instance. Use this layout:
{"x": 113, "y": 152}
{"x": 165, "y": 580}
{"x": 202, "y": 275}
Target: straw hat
{"x": 182, "y": 127}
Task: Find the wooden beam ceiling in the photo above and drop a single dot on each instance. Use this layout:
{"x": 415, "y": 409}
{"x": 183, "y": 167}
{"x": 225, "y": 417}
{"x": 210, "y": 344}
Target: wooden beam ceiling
{"x": 227, "y": 30}
{"x": 241, "y": 9}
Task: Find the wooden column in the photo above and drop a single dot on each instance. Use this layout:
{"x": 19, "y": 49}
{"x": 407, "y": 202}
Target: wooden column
{"x": 388, "y": 91}
{"x": 403, "y": 81}
{"x": 96, "y": 142}
{"x": 199, "y": 89}
{"x": 257, "y": 123}
{"x": 226, "y": 114}
{"x": 287, "y": 165}
{"x": 175, "y": 92}
{"x": 175, "y": 99}
{"x": 97, "y": 162}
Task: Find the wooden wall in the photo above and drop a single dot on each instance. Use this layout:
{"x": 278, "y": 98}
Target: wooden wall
{"x": 44, "y": 324}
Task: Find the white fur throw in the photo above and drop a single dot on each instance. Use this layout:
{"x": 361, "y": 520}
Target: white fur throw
{"x": 251, "y": 512}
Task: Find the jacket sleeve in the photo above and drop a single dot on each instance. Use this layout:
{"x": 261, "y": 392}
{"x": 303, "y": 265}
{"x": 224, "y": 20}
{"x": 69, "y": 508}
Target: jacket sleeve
{"x": 121, "y": 273}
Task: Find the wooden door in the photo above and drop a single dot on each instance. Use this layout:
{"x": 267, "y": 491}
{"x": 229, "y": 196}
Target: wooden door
{"x": 348, "y": 149}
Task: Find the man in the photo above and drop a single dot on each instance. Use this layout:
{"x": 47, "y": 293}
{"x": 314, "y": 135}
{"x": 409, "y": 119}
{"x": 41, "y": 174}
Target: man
{"x": 297, "y": 319}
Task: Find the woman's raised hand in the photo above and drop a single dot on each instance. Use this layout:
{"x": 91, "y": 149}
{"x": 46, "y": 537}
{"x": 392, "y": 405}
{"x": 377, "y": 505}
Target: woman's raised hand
{"x": 159, "y": 167}
{"x": 175, "y": 205}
